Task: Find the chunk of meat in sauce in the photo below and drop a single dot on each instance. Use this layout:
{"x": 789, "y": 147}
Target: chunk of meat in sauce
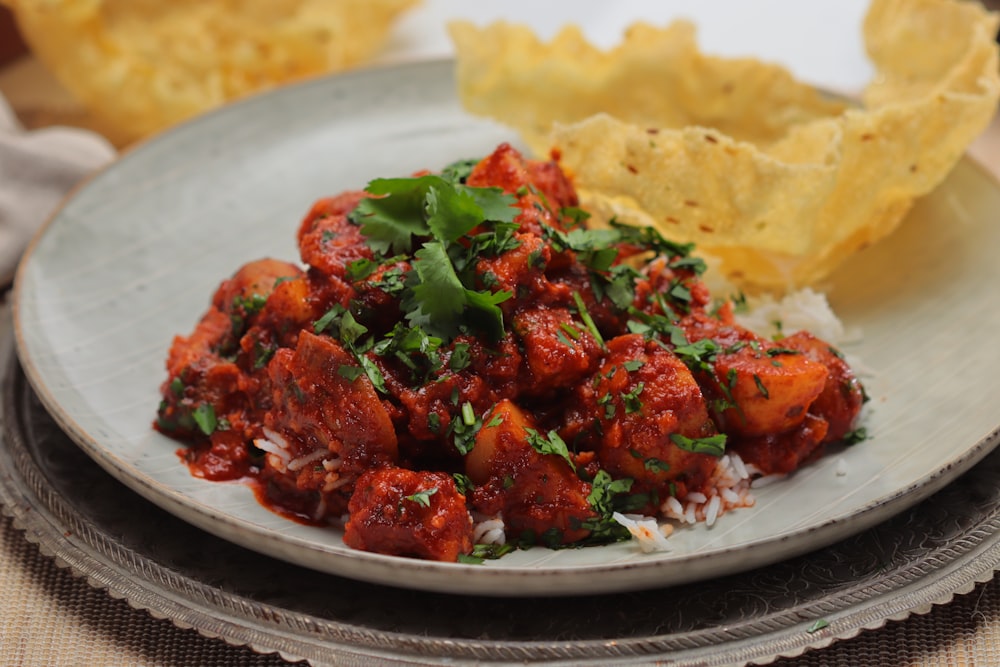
{"x": 757, "y": 385}
{"x": 781, "y": 453}
{"x": 831, "y": 415}
{"x": 538, "y": 494}
{"x": 409, "y": 513}
{"x": 209, "y": 394}
{"x": 328, "y": 241}
{"x": 843, "y": 395}
{"x": 559, "y": 350}
{"x": 768, "y": 394}
{"x": 326, "y": 419}
{"x": 542, "y": 186}
{"x": 640, "y": 398}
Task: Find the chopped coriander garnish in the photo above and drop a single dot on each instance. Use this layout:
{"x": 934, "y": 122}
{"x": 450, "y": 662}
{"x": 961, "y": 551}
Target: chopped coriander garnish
{"x": 818, "y": 625}
{"x": 422, "y": 498}
{"x": 714, "y": 445}
{"x": 654, "y": 464}
{"x": 462, "y": 483}
{"x": 483, "y": 552}
{"x": 330, "y": 317}
{"x": 587, "y": 320}
{"x": 360, "y": 269}
{"x": 760, "y": 386}
{"x": 775, "y": 351}
{"x": 740, "y": 305}
{"x": 373, "y": 373}
{"x": 465, "y": 428}
{"x": 204, "y": 417}
{"x": 631, "y": 399}
{"x": 859, "y": 434}
{"x": 699, "y": 355}
{"x": 550, "y": 443}
{"x": 460, "y": 358}
{"x": 350, "y": 373}
{"x": 434, "y": 423}
{"x": 605, "y": 498}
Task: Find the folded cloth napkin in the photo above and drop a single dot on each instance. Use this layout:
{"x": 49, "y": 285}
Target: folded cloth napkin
{"x": 37, "y": 169}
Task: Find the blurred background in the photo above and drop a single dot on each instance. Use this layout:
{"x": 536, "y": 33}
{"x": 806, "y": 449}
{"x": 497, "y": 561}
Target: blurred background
{"x": 820, "y": 42}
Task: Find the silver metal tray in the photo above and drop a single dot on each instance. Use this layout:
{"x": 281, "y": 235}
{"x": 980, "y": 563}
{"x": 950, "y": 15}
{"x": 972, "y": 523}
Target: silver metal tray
{"x": 90, "y": 522}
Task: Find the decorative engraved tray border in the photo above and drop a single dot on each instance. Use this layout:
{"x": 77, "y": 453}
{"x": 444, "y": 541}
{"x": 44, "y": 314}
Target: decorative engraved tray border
{"x": 89, "y": 522}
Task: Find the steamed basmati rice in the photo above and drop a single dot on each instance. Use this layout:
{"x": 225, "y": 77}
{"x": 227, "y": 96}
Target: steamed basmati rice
{"x": 802, "y": 310}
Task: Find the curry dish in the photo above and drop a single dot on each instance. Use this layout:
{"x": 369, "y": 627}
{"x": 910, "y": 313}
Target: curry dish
{"x": 462, "y": 351}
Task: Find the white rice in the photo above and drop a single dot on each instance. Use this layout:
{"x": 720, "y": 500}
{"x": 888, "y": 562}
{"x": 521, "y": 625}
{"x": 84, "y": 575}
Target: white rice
{"x": 275, "y": 448}
{"x": 320, "y": 508}
{"x": 303, "y": 461}
{"x": 841, "y": 468}
{"x": 802, "y": 310}
{"x": 645, "y": 530}
{"x": 489, "y": 531}
{"x": 335, "y": 481}
{"x": 728, "y": 488}
{"x": 712, "y": 509}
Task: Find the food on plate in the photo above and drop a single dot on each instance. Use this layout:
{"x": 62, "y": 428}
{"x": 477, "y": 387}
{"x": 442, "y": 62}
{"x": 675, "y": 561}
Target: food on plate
{"x": 464, "y": 367}
{"x": 778, "y": 181}
{"x": 141, "y": 65}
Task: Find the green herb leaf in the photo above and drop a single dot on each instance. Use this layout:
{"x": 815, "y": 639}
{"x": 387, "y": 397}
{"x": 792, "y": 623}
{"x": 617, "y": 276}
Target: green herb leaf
{"x": 654, "y": 464}
{"x": 714, "y": 445}
{"x": 465, "y": 428}
{"x": 818, "y": 625}
{"x": 631, "y": 399}
{"x": 699, "y": 355}
{"x": 350, "y": 373}
{"x": 549, "y": 444}
{"x": 606, "y": 497}
{"x": 859, "y": 434}
{"x": 204, "y": 417}
{"x": 439, "y": 295}
{"x": 462, "y": 483}
{"x": 330, "y": 319}
{"x": 452, "y": 213}
{"x": 422, "y": 498}
{"x": 458, "y": 171}
{"x": 396, "y": 214}
{"x": 760, "y": 386}
{"x": 460, "y": 357}
{"x": 484, "y": 552}
{"x": 581, "y": 308}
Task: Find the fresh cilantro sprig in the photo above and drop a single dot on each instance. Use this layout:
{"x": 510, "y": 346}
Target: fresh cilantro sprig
{"x": 430, "y": 218}
{"x": 550, "y": 443}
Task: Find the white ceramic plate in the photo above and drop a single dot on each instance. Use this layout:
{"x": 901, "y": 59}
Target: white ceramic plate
{"x": 133, "y": 257}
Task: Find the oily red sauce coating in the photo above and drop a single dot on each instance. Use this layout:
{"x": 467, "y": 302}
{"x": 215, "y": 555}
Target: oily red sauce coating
{"x": 263, "y": 390}
{"x": 409, "y": 513}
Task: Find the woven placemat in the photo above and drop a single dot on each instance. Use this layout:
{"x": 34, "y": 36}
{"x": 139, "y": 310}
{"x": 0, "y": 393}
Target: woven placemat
{"x": 50, "y": 618}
